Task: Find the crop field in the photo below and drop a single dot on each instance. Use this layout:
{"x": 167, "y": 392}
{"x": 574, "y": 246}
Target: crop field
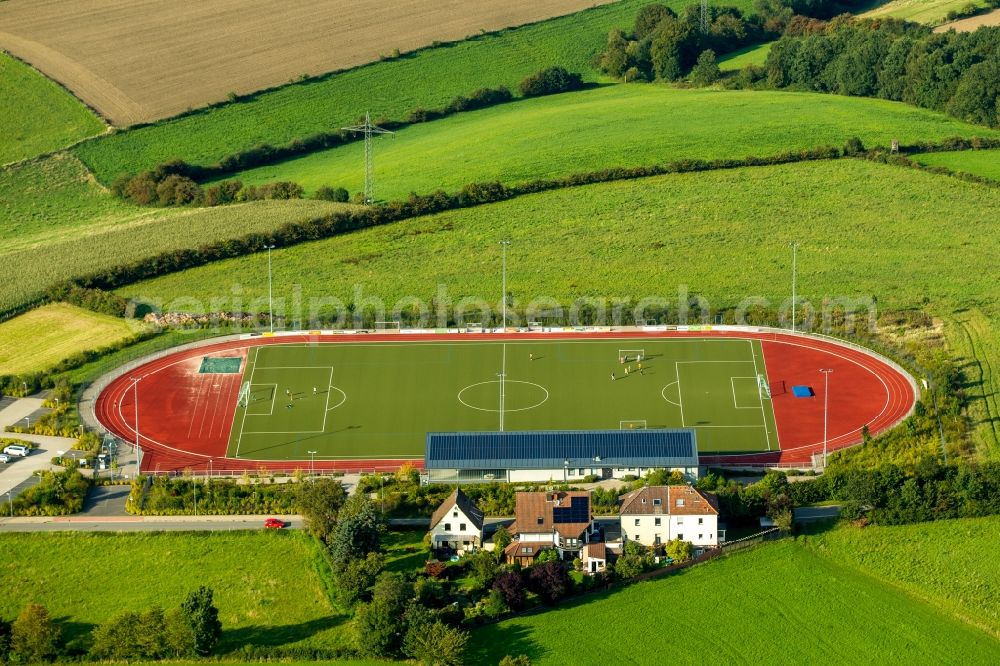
{"x": 930, "y": 12}
{"x": 275, "y": 597}
{"x": 751, "y": 55}
{"x": 619, "y": 125}
{"x": 950, "y": 564}
{"x": 972, "y": 23}
{"x": 42, "y": 337}
{"x": 140, "y": 61}
{"x": 32, "y": 269}
{"x": 38, "y": 116}
{"x": 772, "y": 604}
{"x": 391, "y": 89}
{"x": 985, "y": 163}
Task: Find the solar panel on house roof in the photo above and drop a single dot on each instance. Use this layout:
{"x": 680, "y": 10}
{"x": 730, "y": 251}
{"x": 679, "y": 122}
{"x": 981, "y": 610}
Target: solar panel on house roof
{"x": 561, "y": 448}
{"x": 577, "y": 512}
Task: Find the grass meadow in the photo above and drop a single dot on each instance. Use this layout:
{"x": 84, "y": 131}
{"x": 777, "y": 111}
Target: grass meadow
{"x": 44, "y": 336}
{"x": 985, "y": 163}
{"x": 388, "y": 89}
{"x": 751, "y": 55}
{"x": 615, "y": 125}
{"x": 950, "y": 564}
{"x": 269, "y": 587}
{"x": 38, "y": 115}
{"x": 781, "y": 603}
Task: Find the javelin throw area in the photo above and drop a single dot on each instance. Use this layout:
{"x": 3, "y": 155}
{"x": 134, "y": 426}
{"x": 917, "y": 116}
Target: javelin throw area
{"x": 365, "y": 401}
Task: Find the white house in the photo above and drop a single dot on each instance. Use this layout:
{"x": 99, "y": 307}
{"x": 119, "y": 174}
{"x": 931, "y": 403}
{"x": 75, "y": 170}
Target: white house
{"x": 656, "y": 514}
{"x": 457, "y": 524}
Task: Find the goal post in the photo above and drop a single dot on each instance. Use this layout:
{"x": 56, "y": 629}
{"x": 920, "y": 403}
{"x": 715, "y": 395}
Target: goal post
{"x": 632, "y": 424}
{"x": 244, "y": 398}
{"x": 474, "y": 327}
{"x": 629, "y": 355}
{"x": 763, "y": 387}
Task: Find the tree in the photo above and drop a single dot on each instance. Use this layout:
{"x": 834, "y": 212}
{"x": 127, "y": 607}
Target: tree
{"x": 203, "y": 618}
{"x": 437, "y": 644}
{"x": 510, "y": 585}
{"x": 483, "y": 566}
{"x": 614, "y": 58}
{"x": 519, "y": 660}
{"x": 132, "y": 635}
{"x": 4, "y": 640}
{"x": 358, "y": 531}
{"x": 679, "y": 551}
{"x": 648, "y": 18}
{"x": 319, "y": 501}
{"x": 706, "y": 71}
{"x": 549, "y": 580}
{"x": 549, "y": 81}
{"x": 501, "y": 539}
{"x": 34, "y": 636}
{"x": 378, "y": 624}
{"x": 354, "y": 579}
{"x": 635, "y": 559}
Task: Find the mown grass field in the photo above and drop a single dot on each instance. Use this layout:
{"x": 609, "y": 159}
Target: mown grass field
{"x": 44, "y": 336}
{"x": 619, "y": 125}
{"x": 985, "y": 163}
{"x": 430, "y": 79}
{"x": 268, "y": 586}
{"x": 860, "y": 226}
{"x": 930, "y": 12}
{"x": 38, "y": 116}
{"x": 781, "y": 603}
{"x": 751, "y": 55}
{"x": 950, "y": 564}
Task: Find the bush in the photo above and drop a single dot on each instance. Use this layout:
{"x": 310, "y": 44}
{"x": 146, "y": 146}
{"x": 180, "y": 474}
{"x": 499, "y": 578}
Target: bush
{"x": 550, "y": 81}
{"x": 510, "y": 585}
{"x": 706, "y": 70}
{"x": 34, "y": 635}
{"x": 327, "y": 193}
{"x": 57, "y": 494}
{"x": 549, "y": 580}
{"x": 679, "y": 551}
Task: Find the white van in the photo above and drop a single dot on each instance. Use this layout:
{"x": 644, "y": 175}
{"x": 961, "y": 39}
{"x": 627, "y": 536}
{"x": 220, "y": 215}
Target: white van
{"x": 16, "y": 450}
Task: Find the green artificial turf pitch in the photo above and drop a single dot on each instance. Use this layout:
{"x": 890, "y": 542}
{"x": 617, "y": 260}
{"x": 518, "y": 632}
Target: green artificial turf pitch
{"x": 379, "y": 400}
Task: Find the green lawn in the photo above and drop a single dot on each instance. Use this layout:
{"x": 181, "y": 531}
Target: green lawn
{"x": 985, "y": 163}
{"x": 332, "y": 398}
{"x": 951, "y": 564}
{"x": 429, "y": 79}
{"x": 39, "y": 339}
{"x": 862, "y": 227}
{"x": 38, "y": 115}
{"x": 615, "y": 125}
{"x": 751, "y": 55}
{"x": 781, "y": 603}
{"x": 267, "y": 585}
{"x": 405, "y": 550}
{"x": 931, "y": 12}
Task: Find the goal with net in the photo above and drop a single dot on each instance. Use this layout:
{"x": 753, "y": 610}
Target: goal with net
{"x": 244, "y": 398}
{"x": 764, "y": 387}
{"x": 632, "y": 424}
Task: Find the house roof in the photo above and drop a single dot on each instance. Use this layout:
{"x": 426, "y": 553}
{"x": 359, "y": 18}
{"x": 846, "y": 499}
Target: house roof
{"x": 667, "y": 500}
{"x": 566, "y": 512}
{"x": 516, "y": 548}
{"x": 558, "y": 449}
{"x": 467, "y": 506}
{"x": 595, "y": 551}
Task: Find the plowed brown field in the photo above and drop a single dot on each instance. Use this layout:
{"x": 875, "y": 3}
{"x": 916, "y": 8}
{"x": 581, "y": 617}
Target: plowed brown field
{"x": 141, "y": 60}
{"x": 971, "y": 24}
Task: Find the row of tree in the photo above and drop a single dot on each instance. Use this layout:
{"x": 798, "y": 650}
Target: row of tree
{"x": 954, "y": 72}
{"x": 192, "y": 629}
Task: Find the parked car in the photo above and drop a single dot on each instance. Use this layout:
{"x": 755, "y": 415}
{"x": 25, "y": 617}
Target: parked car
{"x": 274, "y": 524}
{"x": 16, "y": 450}
{"x": 4, "y": 458}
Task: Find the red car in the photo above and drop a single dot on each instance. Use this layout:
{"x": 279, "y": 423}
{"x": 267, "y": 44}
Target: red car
{"x": 274, "y": 524}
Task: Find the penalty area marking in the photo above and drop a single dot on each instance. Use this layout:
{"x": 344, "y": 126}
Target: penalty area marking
{"x": 663, "y": 393}
{"x": 508, "y": 381}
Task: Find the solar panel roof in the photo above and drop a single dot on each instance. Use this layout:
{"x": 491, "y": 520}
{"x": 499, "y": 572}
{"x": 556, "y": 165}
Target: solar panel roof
{"x": 561, "y": 448}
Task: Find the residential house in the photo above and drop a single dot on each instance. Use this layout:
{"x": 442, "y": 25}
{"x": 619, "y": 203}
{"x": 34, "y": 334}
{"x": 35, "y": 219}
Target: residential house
{"x": 457, "y": 524}
{"x": 557, "y": 520}
{"x": 656, "y": 514}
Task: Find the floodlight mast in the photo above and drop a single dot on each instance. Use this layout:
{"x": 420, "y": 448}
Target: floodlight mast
{"x": 368, "y": 129}
{"x": 795, "y": 252}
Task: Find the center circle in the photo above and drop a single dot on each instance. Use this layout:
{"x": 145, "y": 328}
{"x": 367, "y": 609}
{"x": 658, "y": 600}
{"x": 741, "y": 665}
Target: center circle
{"x": 519, "y": 396}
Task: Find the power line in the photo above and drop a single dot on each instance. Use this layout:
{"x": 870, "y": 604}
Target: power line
{"x": 368, "y": 129}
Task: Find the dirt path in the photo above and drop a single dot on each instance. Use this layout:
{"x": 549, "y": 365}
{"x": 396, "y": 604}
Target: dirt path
{"x": 141, "y": 60}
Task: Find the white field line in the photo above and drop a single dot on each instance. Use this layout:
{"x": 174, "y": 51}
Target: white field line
{"x": 243, "y": 422}
{"x": 763, "y": 414}
{"x": 732, "y": 382}
{"x": 326, "y": 406}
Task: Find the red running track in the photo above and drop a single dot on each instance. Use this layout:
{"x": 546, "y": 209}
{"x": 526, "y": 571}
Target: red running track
{"x": 185, "y": 417}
